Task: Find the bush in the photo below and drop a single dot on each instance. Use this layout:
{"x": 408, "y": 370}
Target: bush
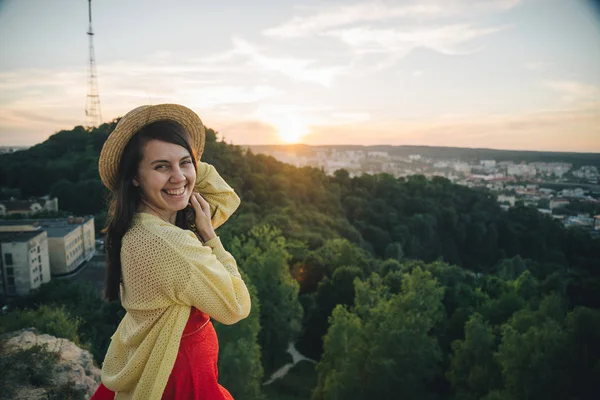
{"x": 55, "y": 321}
{"x": 33, "y": 367}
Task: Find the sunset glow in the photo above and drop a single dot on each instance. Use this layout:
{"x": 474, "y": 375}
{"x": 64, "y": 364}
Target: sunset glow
{"x": 291, "y": 130}
{"x": 467, "y": 73}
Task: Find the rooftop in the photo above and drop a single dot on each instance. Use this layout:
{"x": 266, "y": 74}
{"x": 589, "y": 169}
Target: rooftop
{"x": 58, "y": 227}
{"x": 19, "y": 236}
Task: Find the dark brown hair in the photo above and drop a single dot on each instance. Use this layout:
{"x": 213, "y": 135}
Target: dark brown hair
{"x": 125, "y": 200}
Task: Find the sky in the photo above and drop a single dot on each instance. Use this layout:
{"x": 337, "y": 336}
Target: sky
{"x": 503, "y": 74}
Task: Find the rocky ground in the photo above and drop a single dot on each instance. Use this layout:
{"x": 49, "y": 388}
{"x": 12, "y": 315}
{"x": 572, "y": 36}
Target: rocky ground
{"x": 74, "y": 368}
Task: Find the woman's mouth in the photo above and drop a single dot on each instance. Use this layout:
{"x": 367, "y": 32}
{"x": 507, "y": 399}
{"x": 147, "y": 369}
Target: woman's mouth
{"x": 175, "y": 192}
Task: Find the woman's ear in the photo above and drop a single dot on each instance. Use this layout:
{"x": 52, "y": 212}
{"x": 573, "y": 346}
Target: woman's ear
{"x": 136, "y": 183}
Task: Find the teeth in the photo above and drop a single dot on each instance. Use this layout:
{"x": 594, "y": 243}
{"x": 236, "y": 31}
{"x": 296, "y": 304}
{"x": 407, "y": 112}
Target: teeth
{"x": 177, "y": 192}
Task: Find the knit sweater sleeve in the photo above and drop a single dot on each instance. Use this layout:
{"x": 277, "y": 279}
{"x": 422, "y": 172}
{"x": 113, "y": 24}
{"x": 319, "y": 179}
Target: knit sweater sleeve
{"x": 220, "y": 196}
{"x": 204, "y": 276}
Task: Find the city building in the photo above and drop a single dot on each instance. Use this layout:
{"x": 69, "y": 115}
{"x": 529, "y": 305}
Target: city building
{"x": 28, "y": 207}
{"x": 24, "y": 261}
{"x": 378, "y": 154}
{"x": 461, "y": 167}
{"x": 555, "y": 203}
{"x": 581, "y": 220}
{"x": 507, "y": 199}
{"x": 71, "y": 241}
{"x": 577, "y": 192}
{"x": 587, "y": 172}
{"x": 521, "y": 170}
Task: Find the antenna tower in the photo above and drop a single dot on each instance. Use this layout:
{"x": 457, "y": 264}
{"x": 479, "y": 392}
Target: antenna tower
{"x": 92, "y": 104}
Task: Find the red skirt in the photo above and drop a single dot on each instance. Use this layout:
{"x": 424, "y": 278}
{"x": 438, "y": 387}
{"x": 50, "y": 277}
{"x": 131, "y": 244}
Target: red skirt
{"x": 195, "y": 373}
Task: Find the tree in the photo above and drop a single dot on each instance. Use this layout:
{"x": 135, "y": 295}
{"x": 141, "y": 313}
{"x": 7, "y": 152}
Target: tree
{"x": 473, "y": 370}
{"x": 384, "y": 347}
{"x": 534, "y": 352}
{"x": 339, "y": 290}
{"x": 340, "y": 370}
{"x": 263, "y": 257}
{"x": 583, "y": 327}
{"x": 240, "y": 369}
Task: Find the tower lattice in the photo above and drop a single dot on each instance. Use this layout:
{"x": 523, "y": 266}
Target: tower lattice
{"x": 92, "y": 106}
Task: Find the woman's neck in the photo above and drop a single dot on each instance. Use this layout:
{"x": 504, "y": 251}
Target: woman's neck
{"x": 147, "y": 208}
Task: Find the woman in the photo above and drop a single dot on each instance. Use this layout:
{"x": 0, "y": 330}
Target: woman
{"x": 169, "y": 270}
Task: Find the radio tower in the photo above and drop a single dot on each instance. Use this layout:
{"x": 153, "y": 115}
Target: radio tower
{"x": 92, "y": 106}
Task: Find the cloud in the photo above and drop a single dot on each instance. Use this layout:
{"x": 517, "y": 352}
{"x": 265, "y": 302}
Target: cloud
{"x": 393, "y": 30}
{"x": 444, "y": 39}
{"x": 37, "y": 102}
{"x": 332, "y": 17}
{"x": 326, "y": 18}
{"x": 297, "y": 69}
{"x": 575, "y": 91}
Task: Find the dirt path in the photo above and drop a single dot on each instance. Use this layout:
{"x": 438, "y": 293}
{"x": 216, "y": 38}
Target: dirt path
{"x": 296, "y": 358}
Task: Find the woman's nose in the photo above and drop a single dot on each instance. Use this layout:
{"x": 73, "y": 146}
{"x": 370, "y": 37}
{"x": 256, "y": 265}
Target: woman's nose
{"x": 177, "y": 175}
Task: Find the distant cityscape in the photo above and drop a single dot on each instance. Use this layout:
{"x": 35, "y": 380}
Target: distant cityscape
{"x": 34, "y": 248}
{"x": 547, "y": 186}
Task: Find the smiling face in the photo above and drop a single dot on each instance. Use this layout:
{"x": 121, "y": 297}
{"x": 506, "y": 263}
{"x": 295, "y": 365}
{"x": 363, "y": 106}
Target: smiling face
{"x": 166, "y": 177}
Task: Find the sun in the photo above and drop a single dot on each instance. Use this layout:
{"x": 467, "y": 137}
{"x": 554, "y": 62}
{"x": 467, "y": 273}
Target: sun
{"x": 291, "y": 129}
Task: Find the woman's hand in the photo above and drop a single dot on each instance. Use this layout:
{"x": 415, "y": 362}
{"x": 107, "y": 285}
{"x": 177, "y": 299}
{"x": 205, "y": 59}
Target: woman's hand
{"x": 201, "y": 208}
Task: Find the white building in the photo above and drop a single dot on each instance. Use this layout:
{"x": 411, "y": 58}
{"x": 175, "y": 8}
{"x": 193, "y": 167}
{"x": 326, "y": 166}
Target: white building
{"x": 488, "y": 163}
{"x": 461, "y": 167}
{"x": 28, "y": 207}
{"x": 24, "y": 261}
{"x": 354, "y": 155}
{"x": 331, "y": 166}
{"x": 71, "y": 241}
{"x": 577, "y": 192}
{"x": 555, "y": 203}
{"x": 587, "y": 172}
{"x": 506, "y": 199}
{"x": 556, "y": 169}
{"x": 521, "y": 170}
{"x": 378, "y": 154}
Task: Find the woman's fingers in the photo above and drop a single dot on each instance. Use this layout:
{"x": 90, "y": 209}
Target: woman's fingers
{"x": 204, "y": 204}
{"x": 200, "y": 204}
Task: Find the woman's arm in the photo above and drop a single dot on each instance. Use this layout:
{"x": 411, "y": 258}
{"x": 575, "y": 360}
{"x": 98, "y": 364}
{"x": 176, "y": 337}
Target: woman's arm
{"x": 220, "y": 196}
{"x": 165, "y": 264}
{"x": 207, "y": 278}
{"x": 215, "y": 286}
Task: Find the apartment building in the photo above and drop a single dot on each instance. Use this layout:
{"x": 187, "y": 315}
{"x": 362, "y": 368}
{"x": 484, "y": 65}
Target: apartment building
{"x": 71, "y": 241}
{"x": 24, "y": 261}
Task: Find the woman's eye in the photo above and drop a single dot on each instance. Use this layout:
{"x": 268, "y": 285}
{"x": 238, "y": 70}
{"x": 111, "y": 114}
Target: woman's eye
{"x": 162, "y": 166}
{"x": 187, "y": 162}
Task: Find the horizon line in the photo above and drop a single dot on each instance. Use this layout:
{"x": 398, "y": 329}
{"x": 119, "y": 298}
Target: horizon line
{"x": 371, "y": 145}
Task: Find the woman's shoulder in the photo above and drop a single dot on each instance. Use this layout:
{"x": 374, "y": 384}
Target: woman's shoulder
{"x": 148, "y": 230}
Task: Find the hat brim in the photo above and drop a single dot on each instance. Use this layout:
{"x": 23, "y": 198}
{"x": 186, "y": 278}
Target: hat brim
{"x": 136, "y": 119}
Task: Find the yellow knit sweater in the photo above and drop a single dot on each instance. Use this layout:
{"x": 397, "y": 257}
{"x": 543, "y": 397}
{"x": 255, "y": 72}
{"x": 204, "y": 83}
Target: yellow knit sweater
{"x": 166, "y": 270}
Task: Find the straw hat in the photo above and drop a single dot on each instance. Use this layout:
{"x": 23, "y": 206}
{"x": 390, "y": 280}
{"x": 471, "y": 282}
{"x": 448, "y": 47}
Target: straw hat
{"x": 136, "y": 119}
